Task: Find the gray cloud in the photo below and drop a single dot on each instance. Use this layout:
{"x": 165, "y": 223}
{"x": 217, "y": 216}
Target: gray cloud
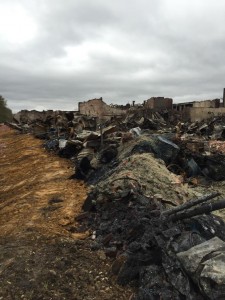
{"x": 56, "y": 53}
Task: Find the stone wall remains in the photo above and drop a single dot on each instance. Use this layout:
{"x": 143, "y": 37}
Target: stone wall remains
{"x": 158, "y": 103}
{"x": 98, "y": 108}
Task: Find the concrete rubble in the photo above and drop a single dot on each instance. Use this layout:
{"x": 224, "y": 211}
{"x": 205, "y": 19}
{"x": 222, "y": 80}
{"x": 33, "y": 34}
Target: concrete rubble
{"x": 140, "y": 168}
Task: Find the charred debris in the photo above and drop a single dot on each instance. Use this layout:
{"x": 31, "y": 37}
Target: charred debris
{"x": 141, "y": 211}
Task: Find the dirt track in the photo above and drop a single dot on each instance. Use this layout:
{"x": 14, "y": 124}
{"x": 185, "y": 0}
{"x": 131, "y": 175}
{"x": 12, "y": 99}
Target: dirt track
{"x": 43, "y": 253}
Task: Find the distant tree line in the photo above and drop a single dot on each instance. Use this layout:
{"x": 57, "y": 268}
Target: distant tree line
{"x": 5, "y": 112}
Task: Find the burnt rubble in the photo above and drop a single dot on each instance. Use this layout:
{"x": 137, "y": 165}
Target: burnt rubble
{"x": 128, "y": 212}
{"x": 138, "y": 208}
{"x": 147, "y": 243}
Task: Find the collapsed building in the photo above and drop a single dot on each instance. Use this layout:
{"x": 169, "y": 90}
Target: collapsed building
{"x": 141, "y": 170}
{"x": 188, "y": 111}
{"x": 199, "y": 110}
{"x": 158, "y": 103}
{"x": 29, "y": 116}
{"x": 99, "y": 109}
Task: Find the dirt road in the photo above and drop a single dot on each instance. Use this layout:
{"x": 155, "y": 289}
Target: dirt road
{"x": 43, "y": 253}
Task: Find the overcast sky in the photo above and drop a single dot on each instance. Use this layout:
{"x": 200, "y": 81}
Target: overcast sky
{"x": 55, "y": 53}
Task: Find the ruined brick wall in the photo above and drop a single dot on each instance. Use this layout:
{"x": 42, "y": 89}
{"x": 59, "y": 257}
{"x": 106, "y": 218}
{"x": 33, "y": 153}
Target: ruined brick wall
{"x": 158, "y": 103}
{"x": 207, "y": 103}
{"x": 202, "y": 113}
{"x": 94, "y": 107}
{"x": 98, "y": 108}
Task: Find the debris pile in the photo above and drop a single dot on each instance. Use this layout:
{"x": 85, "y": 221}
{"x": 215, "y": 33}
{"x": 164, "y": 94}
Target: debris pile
{"x": 202, "y": 154}
{"x": 149, "y": 244}
{"x": 138, "y": 168}
{"x": 214, "y": 128}
{"x": 128, "y": 212}
{"x": 195, "y": 152}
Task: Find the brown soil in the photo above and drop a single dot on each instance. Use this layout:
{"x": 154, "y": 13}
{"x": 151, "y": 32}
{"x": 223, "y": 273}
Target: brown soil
{"x": 40, "y": 256}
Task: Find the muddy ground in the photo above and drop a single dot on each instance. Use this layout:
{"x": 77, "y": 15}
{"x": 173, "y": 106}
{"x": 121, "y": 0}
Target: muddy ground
{"x": 43, "y": 252}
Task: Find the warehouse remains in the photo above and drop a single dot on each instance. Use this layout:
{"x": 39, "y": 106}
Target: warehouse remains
{"x": 155, "y": 173}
